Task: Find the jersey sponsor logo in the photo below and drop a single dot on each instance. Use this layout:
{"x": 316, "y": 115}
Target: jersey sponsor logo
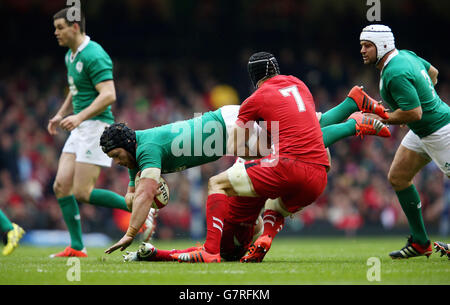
{"x": 79, "y": 66}
{"x": 72, "y": 88}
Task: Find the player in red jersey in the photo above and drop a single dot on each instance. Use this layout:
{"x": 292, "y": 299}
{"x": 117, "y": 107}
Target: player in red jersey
{"x": 242, "y": 224}
{"x": 295, "y": 171}
{"x": 273, "y": 182}
{"x": 241, "y": 227}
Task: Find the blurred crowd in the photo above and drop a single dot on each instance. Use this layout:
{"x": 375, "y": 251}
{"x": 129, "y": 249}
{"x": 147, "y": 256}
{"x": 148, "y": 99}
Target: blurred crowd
{"x": 151, "y": 93}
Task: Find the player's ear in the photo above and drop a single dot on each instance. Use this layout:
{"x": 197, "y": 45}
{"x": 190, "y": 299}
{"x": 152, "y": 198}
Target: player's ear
{"x": 76, "y": 27}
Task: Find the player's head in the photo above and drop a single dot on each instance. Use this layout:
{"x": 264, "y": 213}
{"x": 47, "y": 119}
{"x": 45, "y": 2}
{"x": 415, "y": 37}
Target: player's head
{"x": 118, "y": 141}
{"x": 376, "y": 41}
{"x": 262, "y": 65}
{"x": 69, "y": 23}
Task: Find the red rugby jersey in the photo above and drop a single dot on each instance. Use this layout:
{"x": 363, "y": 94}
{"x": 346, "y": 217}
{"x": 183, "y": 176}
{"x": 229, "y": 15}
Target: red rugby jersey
{"x": 288, "y": 101}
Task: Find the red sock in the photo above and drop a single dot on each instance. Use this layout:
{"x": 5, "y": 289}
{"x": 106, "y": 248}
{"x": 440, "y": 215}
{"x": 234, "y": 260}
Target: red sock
{"x": 273, "y": 223}
{"x": 216, "y": 210}
{"x": 164, "y": 255}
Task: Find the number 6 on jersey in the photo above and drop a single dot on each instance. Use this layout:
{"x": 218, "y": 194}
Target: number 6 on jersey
{"x": 293, "y": 91}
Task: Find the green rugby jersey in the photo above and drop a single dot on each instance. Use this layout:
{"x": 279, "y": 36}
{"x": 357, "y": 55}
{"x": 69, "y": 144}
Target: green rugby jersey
{"x": 405, "y": 84}
{"x": 90, "y": 66}
{"x": 177, "y": 146}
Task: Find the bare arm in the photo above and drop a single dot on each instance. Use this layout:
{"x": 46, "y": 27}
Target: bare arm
{"x": 433, "y": 73}
{"x": 129, "y": 197}
{"x": 144, "y": 195}
{"x": 105, "y": 98}
{"x": 65, "y": 109}
{"x": 143, "y": 199}
{"x": 399, "y": 116}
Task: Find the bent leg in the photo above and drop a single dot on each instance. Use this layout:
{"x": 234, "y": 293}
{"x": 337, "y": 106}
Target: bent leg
{"x": 339, "y": 113}
{"x": 407, "y": 163}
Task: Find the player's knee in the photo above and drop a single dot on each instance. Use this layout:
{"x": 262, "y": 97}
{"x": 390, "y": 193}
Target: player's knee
{"x": 396, "y": 180}
{"x": 213, "y": 184}
{"x": 81, "y": 194}
{"x": 61, "y": 189}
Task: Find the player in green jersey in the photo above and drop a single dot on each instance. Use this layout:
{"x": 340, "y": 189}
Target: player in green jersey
{"x": 407, "y": 86}
{"x": 85, "y": 113}
{"x": 184, "y": 144}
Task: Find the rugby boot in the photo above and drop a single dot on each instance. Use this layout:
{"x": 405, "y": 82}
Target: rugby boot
{"x": 366, "y": 103}
{"x": 412, "y": 249}
{"x": 443, "y": 248}
{"x": 12, "y": 239}
{"x": 70, "y": 252}
{"x": 366, "y": 125}
{"x": 257, "y": 250}
{"x": 198, "y": 256}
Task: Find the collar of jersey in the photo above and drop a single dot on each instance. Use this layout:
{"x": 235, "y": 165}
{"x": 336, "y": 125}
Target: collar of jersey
{"x": 392, "y": 55}
{"x": 80, "y": 48}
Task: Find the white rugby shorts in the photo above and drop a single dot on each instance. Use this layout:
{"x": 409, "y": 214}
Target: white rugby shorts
{"x": 435, "y": 146}
{"x": 84, "y": 142}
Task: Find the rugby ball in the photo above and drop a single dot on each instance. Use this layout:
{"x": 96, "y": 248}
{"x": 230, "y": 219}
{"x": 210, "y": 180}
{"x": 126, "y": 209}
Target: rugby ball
{"x": 162, "y": 199}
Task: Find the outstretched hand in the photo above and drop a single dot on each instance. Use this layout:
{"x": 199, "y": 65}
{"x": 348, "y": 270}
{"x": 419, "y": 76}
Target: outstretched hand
{"x": 123, "y": 243}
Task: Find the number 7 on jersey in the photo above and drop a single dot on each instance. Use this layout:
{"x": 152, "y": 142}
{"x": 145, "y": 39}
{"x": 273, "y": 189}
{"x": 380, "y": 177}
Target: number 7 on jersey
{"x": 293, "y": 91}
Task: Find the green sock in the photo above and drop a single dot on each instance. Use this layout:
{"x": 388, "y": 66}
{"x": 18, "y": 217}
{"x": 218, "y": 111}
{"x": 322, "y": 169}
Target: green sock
{"x": 410, "y": 202}
{"x": 339, "y": 113}
{"x": 336, "y": 132}
{"x": 71, "y": 214}
{"x": 5, "y": 223}
{"x": 107, "y": 199}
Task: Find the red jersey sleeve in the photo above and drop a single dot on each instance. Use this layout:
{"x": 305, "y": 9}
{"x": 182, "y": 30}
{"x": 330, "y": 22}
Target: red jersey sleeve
{"x": 249, "y": 111}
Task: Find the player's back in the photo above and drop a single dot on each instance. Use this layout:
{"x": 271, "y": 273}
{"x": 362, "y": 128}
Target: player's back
{"x": 287, "y": 101}
{"x": 183, "y": 144}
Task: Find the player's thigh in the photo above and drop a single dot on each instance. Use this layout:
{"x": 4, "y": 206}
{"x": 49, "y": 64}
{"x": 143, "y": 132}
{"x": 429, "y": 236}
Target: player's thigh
{"x": 406, "y": 164}
{"x": 84, "y": 180}
{"x": 437, "y": 146}
{"x": 220, "y": 184}
{"x": 306, "y": 183}
{"x": 64, "y": 175}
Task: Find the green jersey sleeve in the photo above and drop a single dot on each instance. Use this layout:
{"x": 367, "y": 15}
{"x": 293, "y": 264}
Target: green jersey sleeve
{"x": 425, "y": 63}
{"x": 147, "y": 156}
{"x": 150, "y": 158}
{"x": 132, "y": 173}
{"x": 404, "y": 93}
{"x": 100, "y": 69}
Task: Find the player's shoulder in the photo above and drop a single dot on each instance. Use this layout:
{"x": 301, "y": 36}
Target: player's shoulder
{"x": 281, "y": 81}
{"x": 405, "y": 63}
{"x": 399, "y": 65}
{"x": 94, "y": 51}
{"x": 148, "y": 143}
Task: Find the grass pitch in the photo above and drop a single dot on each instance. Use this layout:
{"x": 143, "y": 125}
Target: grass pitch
{"x": 336, "y": 261}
